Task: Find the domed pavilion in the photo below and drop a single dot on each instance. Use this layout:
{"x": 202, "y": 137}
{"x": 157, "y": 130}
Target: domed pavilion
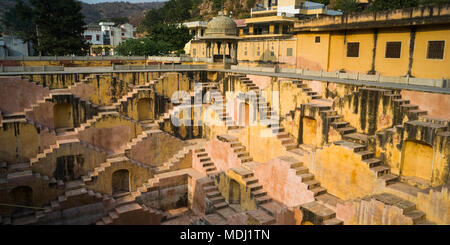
{"x": 221, "y": 37}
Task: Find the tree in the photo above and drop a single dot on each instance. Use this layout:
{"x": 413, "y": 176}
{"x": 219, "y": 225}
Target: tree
{"x": 117, "y": 20}
{"x": 18, "y": 21}
{"x": 143, "y": 46}
{"x": 175, "y": 36}
{"x": 54, "y": 26}
{"x": 347, "y": 6}
{"x": 381, "y": 5}
{"x": 59, "y": 27}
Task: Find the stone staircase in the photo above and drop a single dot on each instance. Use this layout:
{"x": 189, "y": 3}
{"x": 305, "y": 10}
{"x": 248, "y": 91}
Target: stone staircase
{"x": 117, "y": 212}
{"x": 73, "y": 191}
{"x": 408, "y": 208}
{"x": 171, "y": 164}
{"x": 319, "y": 214}
{"x": 239, "y": 150}
{"x": 131, "y": 94}
{"x": 207, "y": 163}
{"x": 309, "y": 92}
{"x": 266, "y": 208}
{"x": 221, "y": 208}
{"x": 94, "y": 174}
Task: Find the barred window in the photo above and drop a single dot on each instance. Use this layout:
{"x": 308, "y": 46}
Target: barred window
{"x": 436, "y": 50}
{"x": 393, "y": 49}
{"x": 194, "y": 52}
{"x": 289, "y": 52}
{"x": 317, "y": 39}
{"x": 353, "y": 50}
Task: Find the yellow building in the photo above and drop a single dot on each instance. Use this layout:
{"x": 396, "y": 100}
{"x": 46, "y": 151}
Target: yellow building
{"x": 412, "y": 42}
{"x": 267, "y": 37}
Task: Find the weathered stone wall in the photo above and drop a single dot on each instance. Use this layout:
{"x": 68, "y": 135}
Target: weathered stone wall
{"x": 17, "y": 94}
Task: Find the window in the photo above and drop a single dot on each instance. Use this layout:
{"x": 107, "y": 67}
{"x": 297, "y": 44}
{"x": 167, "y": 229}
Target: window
{"x": 88, "y": 37}
{"x": 393, "y": 49}
{"x": 289, "y": 52}
{"x": 97, "y": 37}
{"x": 317, "y": 39}
{"x": 435, "y": 50}
{"x": 194, "y": 52}
{"x": 272, "y": 53}
{"x": 353, "y": 50}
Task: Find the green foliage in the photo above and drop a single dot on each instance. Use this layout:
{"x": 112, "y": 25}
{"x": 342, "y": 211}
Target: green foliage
{"x": 381, "y": 5}
{"x": 143, "y": 46}
{"x": 60, "y": 27}
{"x": 18, "y": 21}
{"x": 218, "y": 4}
{"x": 250, "y": 3}
{"x": 162, "y": 39}
{"x": 117, "y": 20}
{"x": 54, "y": 26}
{"x": 173, "y": 11}
{"x": 324, "y": 2}
{"x": 347, "y": 6}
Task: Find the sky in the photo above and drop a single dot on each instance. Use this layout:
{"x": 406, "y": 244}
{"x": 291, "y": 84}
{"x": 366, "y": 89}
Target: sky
{"x": 131, "y": 1}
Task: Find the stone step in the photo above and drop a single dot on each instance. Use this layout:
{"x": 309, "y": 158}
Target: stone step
{"x": 259, "y": 193}
{"x": 220, "y": 205}
{"x": 316, "y": 213}
{"x": 357, "y": 138}
{"x": 250, "y": 180}
{"x": 312, "y": 184}
{"x": 339, "y": 124}
{"x": 263, "y": 199}
{"x": 217, "y": 199}
{"x": 301, "y": 170}
{"x": 333, "y": 221}
{"x": 365, "y": 154}
{"x": 319, "y": 191}
{"x": 380, "y": 170}
{"x": 262, "y": 217}
{"x": 372, "y": 162}
{"x": 212, "y": 194}
{"x": 306, "y": 177}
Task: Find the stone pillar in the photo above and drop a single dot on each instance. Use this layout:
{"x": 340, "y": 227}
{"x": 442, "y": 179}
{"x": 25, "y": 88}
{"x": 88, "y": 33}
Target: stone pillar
{"x": 224, "y": 44}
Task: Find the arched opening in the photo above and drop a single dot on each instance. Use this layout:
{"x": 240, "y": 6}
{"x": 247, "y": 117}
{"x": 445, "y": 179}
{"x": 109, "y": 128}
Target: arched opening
{"x": 121, "y": 182}
{"x": 309, "y": 131}
{"x": 22, "y": 196}
{"x": 417, "y": 160}
{"x": 235, "y": 192}
{"x": 145, "y": 110}
{"x": 68, "y": 167}
{"x": 63, "y": 117}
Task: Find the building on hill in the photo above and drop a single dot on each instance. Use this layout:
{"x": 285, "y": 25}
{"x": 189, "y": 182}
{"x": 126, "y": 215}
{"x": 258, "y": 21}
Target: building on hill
{"x": 105, "y": 36}
{"x": 267, "y": 37}
{"x": 399, "y": 43}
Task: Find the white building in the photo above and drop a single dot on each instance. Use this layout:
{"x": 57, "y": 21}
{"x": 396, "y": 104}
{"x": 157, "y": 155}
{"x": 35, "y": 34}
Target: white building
{"x": 292, "y": 8}
{"x": 197, "y": 29}
{"x": 106, "y": 34}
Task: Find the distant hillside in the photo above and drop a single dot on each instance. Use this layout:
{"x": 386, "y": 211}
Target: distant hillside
{"x": 134, "y": 11}
{"x": 96, "y": 12}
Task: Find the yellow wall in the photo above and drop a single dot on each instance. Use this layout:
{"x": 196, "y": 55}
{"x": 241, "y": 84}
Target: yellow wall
{"x": 393, "y": 66}
{"x": 423, "y": 67}
{"x": 338, "y": 51}
{"x": 331, "y": 53}
{"x": 417, "y": 160}
{"x": 312, "y": 55}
